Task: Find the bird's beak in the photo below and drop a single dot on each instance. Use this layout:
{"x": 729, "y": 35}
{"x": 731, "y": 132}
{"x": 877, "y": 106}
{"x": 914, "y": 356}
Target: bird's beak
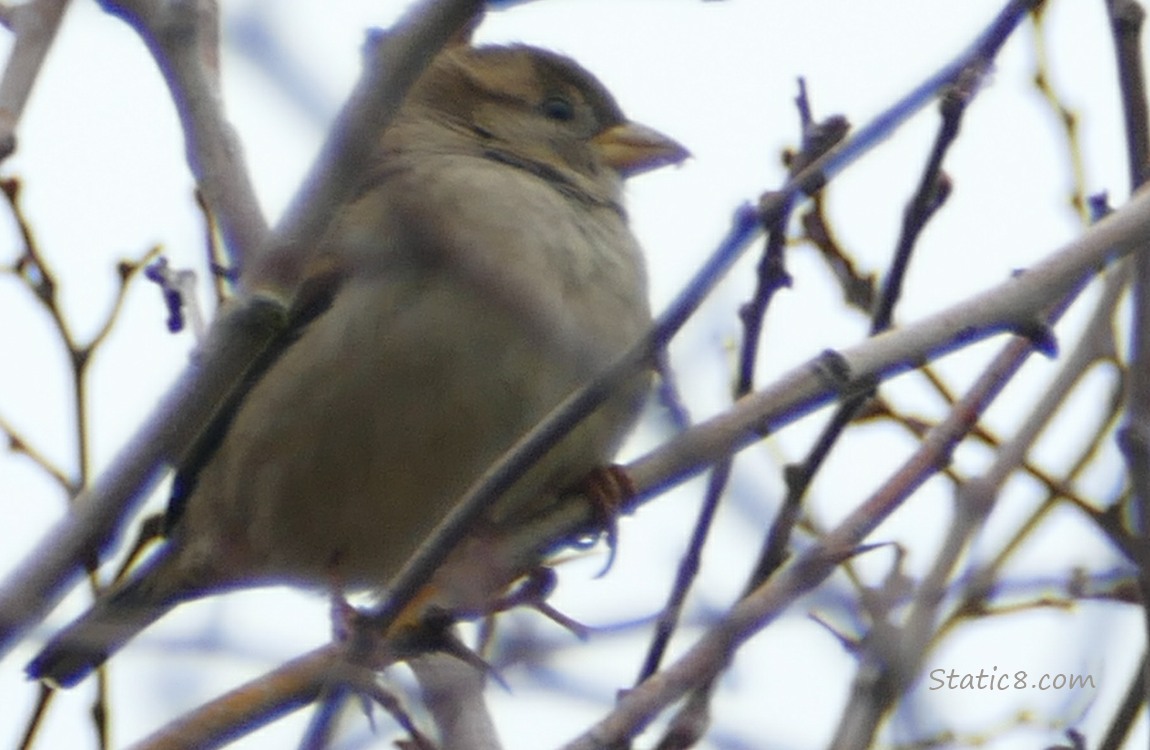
{"x": 630, "y": 149}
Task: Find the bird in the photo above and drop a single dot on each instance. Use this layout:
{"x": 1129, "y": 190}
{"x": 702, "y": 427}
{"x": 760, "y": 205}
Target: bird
{"x": 483, "y": 271}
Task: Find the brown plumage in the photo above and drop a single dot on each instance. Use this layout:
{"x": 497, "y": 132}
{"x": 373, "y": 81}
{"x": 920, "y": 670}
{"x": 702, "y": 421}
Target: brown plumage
{"x": 484, "y": 271}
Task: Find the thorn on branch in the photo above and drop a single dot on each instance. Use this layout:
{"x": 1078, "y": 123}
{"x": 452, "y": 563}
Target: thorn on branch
{"x": 1041, "y": 336}
{"x": 803, "y": 104}
{"x": 795, "y": 476}
{"x": 1099, "y": 204}
{"x": 940, "y": 191}
{"x": 125, "y": 269}
{"x": 834, "y": 369}
{"x": 817, "y": 139}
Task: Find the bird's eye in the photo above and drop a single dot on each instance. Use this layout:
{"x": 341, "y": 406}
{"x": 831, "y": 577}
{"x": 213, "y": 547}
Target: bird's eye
{"x": 558, "y": 108}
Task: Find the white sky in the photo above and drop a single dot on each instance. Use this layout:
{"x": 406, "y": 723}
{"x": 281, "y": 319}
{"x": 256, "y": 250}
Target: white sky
{"x": 101, "y": 158}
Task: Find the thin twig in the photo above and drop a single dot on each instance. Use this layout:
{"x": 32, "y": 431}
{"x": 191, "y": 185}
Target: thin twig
{"x": 772, "y": 277}
{"x": 1126, "y": 21}
{"x": 236, "y": 339}
{"x": 562, "y": 419}
{"x": 803, "y": 389}
{"x": 817, "y": 138}
{"x": 713, "y": 651}
{"x": 891, "y": 664}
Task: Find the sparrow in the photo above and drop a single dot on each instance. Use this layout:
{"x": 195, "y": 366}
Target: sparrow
{"x": 483, "y": 271}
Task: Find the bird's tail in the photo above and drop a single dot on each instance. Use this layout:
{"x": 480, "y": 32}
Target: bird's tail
{"x": 114, "y": 619}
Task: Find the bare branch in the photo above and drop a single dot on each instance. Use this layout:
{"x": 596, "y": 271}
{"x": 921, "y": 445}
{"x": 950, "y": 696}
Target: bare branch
{"x": 236, "y": 339}
{"x": 453, "y": 693}
{"x": 34, "y": 25}
{"x": 250, "y": 706}
{"x": 184, "y": 39}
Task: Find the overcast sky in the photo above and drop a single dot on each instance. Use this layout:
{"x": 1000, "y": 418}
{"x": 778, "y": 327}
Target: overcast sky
{"x": 101, "y": 158}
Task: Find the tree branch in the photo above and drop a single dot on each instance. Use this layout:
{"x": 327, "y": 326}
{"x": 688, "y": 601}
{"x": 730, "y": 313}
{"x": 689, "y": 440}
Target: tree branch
{"x": 35, "y": 25}
{"x": 237, "y": 336}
